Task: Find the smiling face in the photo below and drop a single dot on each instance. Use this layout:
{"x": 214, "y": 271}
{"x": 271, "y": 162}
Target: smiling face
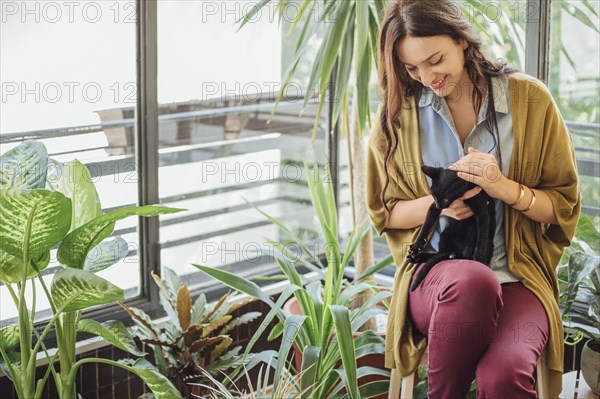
{"x": 436, "y": 62}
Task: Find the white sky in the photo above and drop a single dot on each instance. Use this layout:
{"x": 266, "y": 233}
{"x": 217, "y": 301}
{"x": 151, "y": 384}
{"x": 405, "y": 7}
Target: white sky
{"x": 60, "y": 63}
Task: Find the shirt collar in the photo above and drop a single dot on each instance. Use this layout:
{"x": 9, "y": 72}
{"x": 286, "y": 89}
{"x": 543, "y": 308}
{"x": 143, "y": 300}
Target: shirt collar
{"x": 428, "y": 97}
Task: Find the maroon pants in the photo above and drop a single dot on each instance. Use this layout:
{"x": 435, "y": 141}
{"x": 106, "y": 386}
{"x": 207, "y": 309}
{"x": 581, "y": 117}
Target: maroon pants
{"x": 478, "y": 328}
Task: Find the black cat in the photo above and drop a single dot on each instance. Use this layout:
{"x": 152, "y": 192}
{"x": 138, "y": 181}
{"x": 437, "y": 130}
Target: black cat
{"x": 471, "y": 238}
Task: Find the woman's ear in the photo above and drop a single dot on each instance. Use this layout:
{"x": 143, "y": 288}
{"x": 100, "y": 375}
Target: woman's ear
{"x": 465, "y": 44}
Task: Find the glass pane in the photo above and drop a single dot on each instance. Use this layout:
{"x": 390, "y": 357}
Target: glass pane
{"x": 574, "y": 80}
{"x": 216, "y": 145}
{"x": 68, "y": 80}
{"x": 501, "y": 27}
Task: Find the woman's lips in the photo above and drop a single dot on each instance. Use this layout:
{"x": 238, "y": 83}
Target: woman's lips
{"x": 440, "y": 85}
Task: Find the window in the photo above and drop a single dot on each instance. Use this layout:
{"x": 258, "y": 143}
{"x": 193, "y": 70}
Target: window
{"x": 68, "y": 72}
{"x": 574, "y": 80}
{"x": 215, "y": 145}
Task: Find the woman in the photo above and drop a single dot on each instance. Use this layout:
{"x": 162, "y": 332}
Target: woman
{"x": 489, "y": 323}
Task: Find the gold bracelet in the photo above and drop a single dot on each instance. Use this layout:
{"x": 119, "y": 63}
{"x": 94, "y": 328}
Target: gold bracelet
{"x": 532, "y": 201}
{"x": 520, "y": 196}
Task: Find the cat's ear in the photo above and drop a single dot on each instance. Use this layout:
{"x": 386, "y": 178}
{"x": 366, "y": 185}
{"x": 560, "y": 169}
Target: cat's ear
{"x": 431, "y": 171}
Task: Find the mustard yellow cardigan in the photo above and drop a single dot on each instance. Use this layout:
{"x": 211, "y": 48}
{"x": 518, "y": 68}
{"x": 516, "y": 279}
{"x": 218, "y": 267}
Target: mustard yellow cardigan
{"x": 543, "y": 158}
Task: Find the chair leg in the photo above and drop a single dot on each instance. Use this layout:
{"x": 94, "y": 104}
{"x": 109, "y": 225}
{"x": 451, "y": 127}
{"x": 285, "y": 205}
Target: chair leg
{"x": 408, "y": 384}
{"x": 541, "y": 372}
{"x": 394, "y": 385}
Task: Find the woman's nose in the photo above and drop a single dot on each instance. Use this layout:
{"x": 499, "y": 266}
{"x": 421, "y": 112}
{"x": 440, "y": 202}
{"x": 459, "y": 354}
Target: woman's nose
{"x": 426, "y": 77}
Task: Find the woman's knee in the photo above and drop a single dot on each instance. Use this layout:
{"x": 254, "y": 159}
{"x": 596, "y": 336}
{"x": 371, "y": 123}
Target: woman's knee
{"x": 470, "y": 281}
{"x": 505, "y": 378}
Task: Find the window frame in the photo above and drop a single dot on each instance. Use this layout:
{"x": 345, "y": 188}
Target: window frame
{"x": 537, "y": 40}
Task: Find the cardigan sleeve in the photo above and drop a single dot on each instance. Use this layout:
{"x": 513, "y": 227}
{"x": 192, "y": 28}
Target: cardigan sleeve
{"x": 559, "y": 178}
{"x": 376, "y": 178}
{"x": 375, "y": 183}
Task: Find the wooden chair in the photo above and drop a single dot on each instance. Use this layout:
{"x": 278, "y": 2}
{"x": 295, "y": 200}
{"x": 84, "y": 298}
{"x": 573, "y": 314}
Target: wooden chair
{"x": 408, "y": 383}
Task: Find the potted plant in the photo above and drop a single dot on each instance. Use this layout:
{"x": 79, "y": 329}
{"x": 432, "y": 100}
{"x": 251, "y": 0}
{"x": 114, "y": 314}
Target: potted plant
{"x": 579, "y": 279}
{"x": 195, "y": 342}
{"x": 289, "y": 387}
{"x": 43, "y": 204}
{"x": 325, "y": 331}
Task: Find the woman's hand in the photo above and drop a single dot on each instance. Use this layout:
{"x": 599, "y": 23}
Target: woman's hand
{"x": 482, "y": 169}
{"x": 458, "y": 209}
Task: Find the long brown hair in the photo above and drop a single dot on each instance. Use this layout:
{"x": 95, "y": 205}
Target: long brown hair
{"x": 425, "y": 18}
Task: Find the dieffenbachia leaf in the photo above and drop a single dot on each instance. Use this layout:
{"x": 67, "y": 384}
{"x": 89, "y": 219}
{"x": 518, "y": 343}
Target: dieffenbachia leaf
{"x": 113, "y": 332}
{"x": 25, "y": 166}
{"x": 160, "y": 385}
{"x": 73, "y": 179}
{"x": 77, "y": 244}
{"x": 9, "y": 337}
{"x": 74, "y": 289}
{"x": 33, "y": 221}
{"x": 106, "y": 254}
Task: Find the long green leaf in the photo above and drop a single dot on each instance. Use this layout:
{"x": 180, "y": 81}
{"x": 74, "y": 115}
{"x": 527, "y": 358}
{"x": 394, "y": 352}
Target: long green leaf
{"x": 25, "y": 166}
{"x": 113, "y": 332}
{"x": 363, "y": 79}
{"x": 333, "y": 40}
{"x": 310, "y": 365}
{"x": 252, "y": 13}
{"x": 343, "y": 329}
{"x": 33, "y": 221}
{"x": 276, "y": 311}
{"x": 160, "y": 385}
{"x": 288, "y": 232}
{"x": 579, "y": 15}
{"x": 235, "y": 282}
{"x": 344, "y": 68}
{"x": 292, "y": 325}
{"x": 77, "y": 244}
{"x": 362, "y": 32}
{"x": 382, "y": 264}
{"x": 74, "y": 289}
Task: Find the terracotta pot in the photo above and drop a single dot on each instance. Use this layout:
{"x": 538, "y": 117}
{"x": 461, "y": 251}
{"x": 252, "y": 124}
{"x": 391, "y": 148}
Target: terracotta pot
{"x": 590, "y": 365}
{"x": 375, "y": 360}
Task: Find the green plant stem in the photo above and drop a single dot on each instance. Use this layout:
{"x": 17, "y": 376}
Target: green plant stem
{"x": 36, "y": 348}
{"x": 60, "y": 336}
{"x": 51, "y": 359}
{"x": 47, "y": 292}
{"x": 13, "y": 374}
{"x": 27, "y": 376}
{"x": 73, "y": 373}
{"x": 67, "y": 350}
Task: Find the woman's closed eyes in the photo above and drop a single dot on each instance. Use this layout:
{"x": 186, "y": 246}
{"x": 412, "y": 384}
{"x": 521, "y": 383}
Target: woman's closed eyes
{"x": 412, "y": 69}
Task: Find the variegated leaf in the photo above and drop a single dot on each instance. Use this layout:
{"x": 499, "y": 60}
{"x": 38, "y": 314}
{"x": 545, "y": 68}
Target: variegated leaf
{"x": 113, "y": 332}
{"x": 77, "y": 244}
{"x": 33, "y": 221}
{"x": 74, "y": 289}
{"x": 25, "y": 166}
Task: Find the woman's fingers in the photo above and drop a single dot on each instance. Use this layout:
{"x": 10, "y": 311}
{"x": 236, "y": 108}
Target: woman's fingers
{"x": 471, "y": 193}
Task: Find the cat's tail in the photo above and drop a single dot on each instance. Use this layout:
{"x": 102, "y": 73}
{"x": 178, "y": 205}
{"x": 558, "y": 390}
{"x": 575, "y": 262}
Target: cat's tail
{"x": 429, "y": 264}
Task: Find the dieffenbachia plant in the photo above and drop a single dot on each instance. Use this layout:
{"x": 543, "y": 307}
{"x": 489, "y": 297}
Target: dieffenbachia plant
{"x": 46, "y": 204}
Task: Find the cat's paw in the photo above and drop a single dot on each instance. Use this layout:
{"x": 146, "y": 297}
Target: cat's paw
{"x": 414, "y": 252}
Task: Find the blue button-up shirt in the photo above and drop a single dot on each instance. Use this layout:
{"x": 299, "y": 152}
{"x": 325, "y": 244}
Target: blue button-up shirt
{"x": 441, "y": 146}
